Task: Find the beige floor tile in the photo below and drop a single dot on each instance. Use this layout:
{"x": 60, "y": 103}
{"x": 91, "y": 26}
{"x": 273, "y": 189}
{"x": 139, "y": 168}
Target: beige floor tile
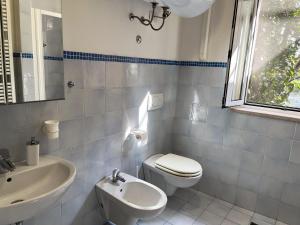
{"x": 167, "y": 214}
{"x": 180, "y": 219}
{"x": 218, "y": 209}
{"x": 208, "y": 218}
{"x": 156, "y": 221}
{"x": 192, "y": 210}
{"x": 280, "y": 223}
{"x": 238, "y": 217}
{"x": 224, "y": 203}
{"x": 227, "y": 222}
{"x": 260, "y": 219}
{"x": 245, "y": 211}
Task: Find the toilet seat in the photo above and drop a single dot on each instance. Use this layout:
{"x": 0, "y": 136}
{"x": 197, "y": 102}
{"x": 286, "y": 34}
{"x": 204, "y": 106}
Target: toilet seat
{"x": 179, "y": 166}
{"x": 178, "y": 174}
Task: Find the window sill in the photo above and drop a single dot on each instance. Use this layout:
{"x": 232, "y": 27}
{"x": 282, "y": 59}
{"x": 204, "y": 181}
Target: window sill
{"x": 268, "y": 112}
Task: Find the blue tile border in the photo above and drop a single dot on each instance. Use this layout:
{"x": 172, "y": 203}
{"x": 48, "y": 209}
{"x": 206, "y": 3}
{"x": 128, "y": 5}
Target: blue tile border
{"x": 55, "y": 58}
{"x": 30, "y": 56}
{"x": 27, "y": 55}
{"x": 23, "y": 55}
{"x": 125, "y": 59}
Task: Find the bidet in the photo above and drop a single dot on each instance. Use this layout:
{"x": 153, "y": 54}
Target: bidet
{"x": 126, "y": 202}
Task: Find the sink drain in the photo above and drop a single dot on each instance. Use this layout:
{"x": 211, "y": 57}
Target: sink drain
{"x": 17, "y": 201}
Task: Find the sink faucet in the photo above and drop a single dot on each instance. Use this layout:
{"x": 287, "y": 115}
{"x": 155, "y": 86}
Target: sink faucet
{"x": 116, "y": 176}
{"x": 6, "y": 165}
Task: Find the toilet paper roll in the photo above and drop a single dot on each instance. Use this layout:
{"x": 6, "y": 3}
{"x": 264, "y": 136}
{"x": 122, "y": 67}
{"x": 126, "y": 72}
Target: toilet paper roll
{"x": 51, "y": 126}
{"x": 140, "y": 135}
{"x": 52, "y": 136}
{"x": 51, "y": 129}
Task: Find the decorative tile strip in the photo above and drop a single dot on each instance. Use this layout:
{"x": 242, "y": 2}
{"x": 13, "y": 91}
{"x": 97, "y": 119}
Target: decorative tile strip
{"x": 125, "y": 59}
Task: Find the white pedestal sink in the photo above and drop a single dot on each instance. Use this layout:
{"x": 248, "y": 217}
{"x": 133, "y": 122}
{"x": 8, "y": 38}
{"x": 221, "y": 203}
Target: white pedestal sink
{"x": 29, "y": 190}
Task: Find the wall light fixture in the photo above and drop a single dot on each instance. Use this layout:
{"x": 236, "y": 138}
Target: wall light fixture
{"x": 150, "y": 21}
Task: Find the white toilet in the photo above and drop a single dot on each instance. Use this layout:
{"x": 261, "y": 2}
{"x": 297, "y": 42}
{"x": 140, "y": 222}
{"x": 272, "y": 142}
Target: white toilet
{"x": 169, "y": 172}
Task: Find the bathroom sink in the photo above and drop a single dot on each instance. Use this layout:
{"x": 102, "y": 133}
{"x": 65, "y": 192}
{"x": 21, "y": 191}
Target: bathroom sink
{"x": 29, "y": 190}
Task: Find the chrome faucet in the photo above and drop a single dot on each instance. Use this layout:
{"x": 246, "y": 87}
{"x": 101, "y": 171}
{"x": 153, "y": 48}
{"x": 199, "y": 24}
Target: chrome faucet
{"x": 6, "y": 165}
{"x": 116, "y": 176}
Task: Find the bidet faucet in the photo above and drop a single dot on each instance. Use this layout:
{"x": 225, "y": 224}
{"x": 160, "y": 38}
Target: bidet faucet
{"x": 116, "y": 176}
{"x": 6, "y": 165}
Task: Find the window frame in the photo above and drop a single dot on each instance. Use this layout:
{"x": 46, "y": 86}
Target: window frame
{"x": 248, "y": 61}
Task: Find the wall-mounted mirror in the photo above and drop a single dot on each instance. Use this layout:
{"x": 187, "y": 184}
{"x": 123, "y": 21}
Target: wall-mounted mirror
{"x": 31, "y": 65}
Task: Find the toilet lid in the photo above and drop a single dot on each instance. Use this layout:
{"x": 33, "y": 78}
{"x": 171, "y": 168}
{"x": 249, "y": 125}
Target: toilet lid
{"x": 179, "y": 174}
{"x": 179, "y": 165}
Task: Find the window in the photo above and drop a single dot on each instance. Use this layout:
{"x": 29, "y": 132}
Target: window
{"x": 264, "y": 57}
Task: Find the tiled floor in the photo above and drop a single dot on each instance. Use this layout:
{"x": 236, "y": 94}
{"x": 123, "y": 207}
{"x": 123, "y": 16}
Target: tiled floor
{"x": 188, "y": 207}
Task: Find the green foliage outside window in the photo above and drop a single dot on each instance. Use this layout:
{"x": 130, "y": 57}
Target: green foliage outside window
{"x": 278, "y": 78}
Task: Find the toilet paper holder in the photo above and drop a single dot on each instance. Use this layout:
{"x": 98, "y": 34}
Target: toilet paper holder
{"x": 51, "y": 129}
{"x": 140, "y": 135}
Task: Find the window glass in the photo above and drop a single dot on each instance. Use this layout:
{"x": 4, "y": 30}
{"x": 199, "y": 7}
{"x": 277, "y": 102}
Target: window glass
{"x": 275, "y": 74}
{"x": 239, "y": 50}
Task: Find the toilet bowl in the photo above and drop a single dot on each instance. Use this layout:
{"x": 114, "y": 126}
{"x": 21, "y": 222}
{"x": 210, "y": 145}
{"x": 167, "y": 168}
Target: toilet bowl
{"x": 169, "y": 172}
{"x": 126, "y": 202}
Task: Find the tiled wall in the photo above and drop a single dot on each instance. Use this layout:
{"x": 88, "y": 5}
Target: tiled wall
{"x": 247, "y": 160}
{"x": 108, "y": 100}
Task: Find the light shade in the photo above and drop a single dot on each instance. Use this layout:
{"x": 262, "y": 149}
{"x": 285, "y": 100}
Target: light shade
{"x": 186, "y": 8}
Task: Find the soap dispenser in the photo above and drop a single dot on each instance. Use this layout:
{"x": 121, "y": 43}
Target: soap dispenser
{"x": 33, "y": 152}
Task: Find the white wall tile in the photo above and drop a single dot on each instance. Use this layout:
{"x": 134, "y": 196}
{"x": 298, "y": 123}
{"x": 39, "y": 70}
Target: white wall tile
{"x": 295, "y": 152}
